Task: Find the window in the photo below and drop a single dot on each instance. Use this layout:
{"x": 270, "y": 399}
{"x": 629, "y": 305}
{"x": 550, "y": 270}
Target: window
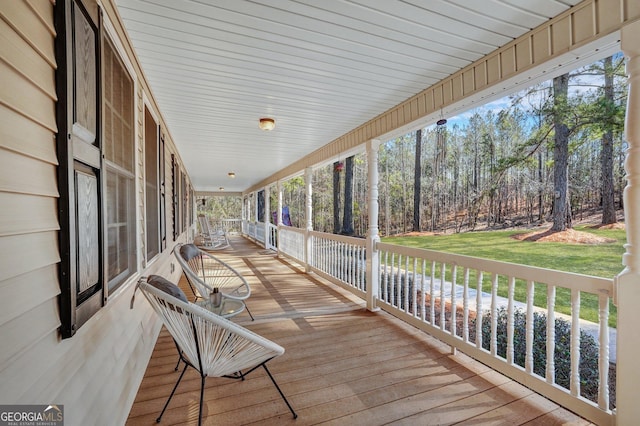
{"x": 152, "y": 193}
{"x": 119, "y": 157}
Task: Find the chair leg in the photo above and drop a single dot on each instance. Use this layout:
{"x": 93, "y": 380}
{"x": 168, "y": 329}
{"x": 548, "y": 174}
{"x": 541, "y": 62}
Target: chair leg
{"x": 166, "y": 404}
{"x": 202, "y": 378}
{"x": 295, "y": 416}
{"x": 249, "y": 312}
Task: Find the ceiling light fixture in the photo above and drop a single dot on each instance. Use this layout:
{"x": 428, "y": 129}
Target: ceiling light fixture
{"x": 231, "y": 175}
{"x": 267, "y": 124}
{"x": 221, "y": 188}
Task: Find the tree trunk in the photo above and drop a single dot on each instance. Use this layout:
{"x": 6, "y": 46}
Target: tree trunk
{"x": 540, "y": 189}
{"x": 416, "y": 182}
{"x": 608, "y": 191}
{"x": 336, "y": 198}
{"x": 561, "y": 208}
{"x": 347, "y": 219}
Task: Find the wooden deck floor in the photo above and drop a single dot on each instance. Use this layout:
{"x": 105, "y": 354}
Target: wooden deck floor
{"x": 343, "y": 365}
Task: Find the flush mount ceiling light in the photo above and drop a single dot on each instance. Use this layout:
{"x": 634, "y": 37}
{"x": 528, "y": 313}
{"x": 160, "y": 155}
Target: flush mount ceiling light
{"x": 267, "y": 124}
{"x": 231, "y": 175}
{"x": 221, "y": 188}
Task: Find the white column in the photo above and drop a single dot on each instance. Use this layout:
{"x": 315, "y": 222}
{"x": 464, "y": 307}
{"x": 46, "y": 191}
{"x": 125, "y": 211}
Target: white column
{"x": 279, "y": 212}
{"x": 373, "y": 261}
{"x": 279, "y": 215}
{"x": 243, "y": 219}
{"x": 627, "y": 283}
{"x": 308, "y": 178}
{"x": 267, "y": 220}
{"x": 256, "y": 219}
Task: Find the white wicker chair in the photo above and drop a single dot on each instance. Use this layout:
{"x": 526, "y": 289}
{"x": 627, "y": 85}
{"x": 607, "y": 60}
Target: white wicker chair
{"x": 210, "y": 344}
{"x": 205, "y": 271}
{"x": 212, "y": 239}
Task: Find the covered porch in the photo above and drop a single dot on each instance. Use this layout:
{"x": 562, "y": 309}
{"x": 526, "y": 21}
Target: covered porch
{"x": 196, "y": 76}
{"x": 343, "y": 364}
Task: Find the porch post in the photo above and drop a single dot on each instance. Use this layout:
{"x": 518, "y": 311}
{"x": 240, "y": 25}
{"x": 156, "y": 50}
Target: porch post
{"x": 308, "y": 177}
{"x": 279, "y": 212}
{"x": 243, "y": 219}
{"x": 627, "y": 283}
{"x": 279, "y": 215}
{"x": 267, "y": 220}
{"x": 373, "y": 261}
{"x": 256, "y": 219}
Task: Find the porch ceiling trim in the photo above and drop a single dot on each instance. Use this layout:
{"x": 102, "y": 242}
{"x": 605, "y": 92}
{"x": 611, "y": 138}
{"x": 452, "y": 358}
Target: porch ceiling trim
{"x": 560, "y": 42}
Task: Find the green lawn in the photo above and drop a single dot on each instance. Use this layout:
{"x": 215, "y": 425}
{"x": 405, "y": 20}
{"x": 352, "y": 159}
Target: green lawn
{"x": 602, "y": 260}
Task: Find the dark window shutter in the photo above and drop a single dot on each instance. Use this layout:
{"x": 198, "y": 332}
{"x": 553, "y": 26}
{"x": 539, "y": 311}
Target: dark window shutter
{"x": 80, "y": 175}
{"x": 163, "y": 200}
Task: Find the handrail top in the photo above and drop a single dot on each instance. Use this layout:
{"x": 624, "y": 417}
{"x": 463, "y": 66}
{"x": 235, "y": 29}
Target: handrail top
{"x": 571, "y": 280}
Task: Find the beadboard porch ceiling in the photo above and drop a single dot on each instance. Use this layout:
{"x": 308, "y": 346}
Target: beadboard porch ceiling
{"x": 319, "y": 68}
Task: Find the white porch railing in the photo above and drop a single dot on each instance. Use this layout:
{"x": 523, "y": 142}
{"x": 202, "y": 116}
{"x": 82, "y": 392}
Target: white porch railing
{"x": 291, "y": 242}
{"x": 272, "y": 237}
{"x": 231, "y": 226}
{"x": 259, "y": 232}
{"x": 430, "y": 289}
{"x": 250, "y": 229}
{"x": 339, "y": 258}
{"x": 435, "y": 292}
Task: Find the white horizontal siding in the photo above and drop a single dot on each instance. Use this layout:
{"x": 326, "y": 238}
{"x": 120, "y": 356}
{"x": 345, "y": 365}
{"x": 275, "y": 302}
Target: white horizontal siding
{"x": 96, "y": 373}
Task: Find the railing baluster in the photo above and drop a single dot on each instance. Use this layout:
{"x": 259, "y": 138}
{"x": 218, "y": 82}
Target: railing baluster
{"x": 454, "y": 307}
{"x": 414, "y": 288}
{"x": 432, "y": 313}
{"x": 528, "y": 365}
{"x": 396, "y": 283}
{"x": 479, "y": 310}
{"x": 353, "y": 264}
{"x": 574, "y": 385}
{"x": 442, "y": 300}
{"x": 423, "y": 296}
{"x": 406, "y": 284}
{"x": 384, "y": 277}
{"x": 494, "y": 314}
{"x": 510, "y": 324}
{"x": 392, "y": 283}
{"x": 465, "y": 306}
{"x": 360, "y": 262}
{"x": 603, "y": 355}
{"x": 551, "y": 334}
{"x": 360, "y": 272}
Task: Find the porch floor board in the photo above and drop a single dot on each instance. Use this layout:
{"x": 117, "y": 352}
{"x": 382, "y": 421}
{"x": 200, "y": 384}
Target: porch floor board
{"x": 343, "y": 365}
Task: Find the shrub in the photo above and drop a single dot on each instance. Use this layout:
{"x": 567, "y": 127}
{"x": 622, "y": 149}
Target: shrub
{"x": 589, "y": 377}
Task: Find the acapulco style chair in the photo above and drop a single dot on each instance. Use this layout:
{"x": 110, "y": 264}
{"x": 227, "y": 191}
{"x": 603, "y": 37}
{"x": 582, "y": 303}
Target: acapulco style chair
{"x": 204, "y": 272}
{"x": 210, "y": 344}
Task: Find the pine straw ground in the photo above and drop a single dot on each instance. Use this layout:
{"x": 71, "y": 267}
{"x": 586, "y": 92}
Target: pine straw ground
{"x": 570, "y": 236}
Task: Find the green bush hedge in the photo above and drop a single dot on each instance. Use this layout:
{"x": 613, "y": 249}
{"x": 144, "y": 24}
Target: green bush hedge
{"x": 588, "y": 348}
